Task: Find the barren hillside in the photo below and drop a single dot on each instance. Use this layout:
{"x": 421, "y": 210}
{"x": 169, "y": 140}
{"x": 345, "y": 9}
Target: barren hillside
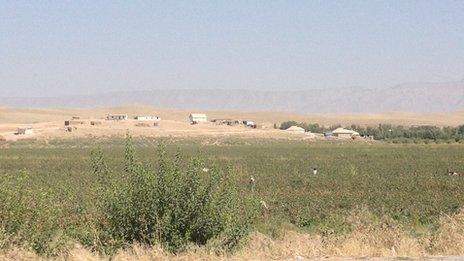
{"x": 410, "y": 97}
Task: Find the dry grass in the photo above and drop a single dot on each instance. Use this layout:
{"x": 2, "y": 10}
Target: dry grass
{"x": 450, "y": 238}
{"x": 370, "y": 237}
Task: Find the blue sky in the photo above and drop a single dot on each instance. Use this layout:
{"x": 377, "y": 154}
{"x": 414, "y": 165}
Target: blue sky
{"x": 76, "y": 47}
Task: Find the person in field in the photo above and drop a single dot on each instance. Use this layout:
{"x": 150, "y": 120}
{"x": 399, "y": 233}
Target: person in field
{"x": 252, "y": 183}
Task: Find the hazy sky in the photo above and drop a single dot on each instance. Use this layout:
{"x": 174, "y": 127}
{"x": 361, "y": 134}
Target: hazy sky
{"x": 77, "y": 47}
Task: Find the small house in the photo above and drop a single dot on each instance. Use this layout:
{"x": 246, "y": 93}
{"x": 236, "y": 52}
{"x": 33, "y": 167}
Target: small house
{"x": 345, "y": 133}
{"x": 250, "y": 124}
{"x": 116, "y": 117}
{"x": 196, "y": 118}
{"x": 147, "y": 118}
{"x": 296, "y": 129}
{"x": 25, "y": 131}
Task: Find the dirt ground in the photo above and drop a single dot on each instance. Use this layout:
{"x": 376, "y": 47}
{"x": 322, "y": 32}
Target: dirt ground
{"x": 49, "y": 123}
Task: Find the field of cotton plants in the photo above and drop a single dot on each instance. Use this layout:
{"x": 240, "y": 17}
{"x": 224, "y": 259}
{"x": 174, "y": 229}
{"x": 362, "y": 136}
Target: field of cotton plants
{"x": 177, "y": 195}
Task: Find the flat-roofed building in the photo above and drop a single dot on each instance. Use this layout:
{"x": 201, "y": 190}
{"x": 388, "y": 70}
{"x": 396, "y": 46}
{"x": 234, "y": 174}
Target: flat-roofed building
{"x": 116, "y": 117}
{"x": 345, "y": 133}
{"x": 197, "y": 118}
{"x": 147, "y": 118}
{"x": 25, "y": 131}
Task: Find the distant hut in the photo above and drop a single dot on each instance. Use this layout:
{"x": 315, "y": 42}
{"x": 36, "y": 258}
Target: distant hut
{"x": 196, "y": 118}
{"x": 296, "y": 129}
{"x": 25, "y": 131}
{"x": 250, "y": 124}
{"x": 147, "y": 118}
{"x": 116, "y": 117}
{"x": 345, "y": 133}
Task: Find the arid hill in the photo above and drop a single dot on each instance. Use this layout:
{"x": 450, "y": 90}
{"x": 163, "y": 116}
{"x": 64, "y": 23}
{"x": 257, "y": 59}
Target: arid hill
{"x": 411, "y": 97}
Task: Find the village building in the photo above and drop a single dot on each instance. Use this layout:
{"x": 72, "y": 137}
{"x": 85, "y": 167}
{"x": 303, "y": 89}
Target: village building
{"x": 116, "y": 117}
{"x": 250, "y": 124}
{"x": 296, "y": 129}
{"x": 25, "y": 131}
{"x": 147, "y": 118}
{"x": 196, "y": 118}
{"x": 345, "y": 133}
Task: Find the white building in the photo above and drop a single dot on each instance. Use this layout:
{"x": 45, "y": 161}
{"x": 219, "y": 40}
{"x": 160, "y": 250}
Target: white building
{"x": 116, "y": 117}
{"x": 25, "y": 131}
{"x": 197, "y": 118}
{"x": 345, "y": 133}
{"x": 147, "y": 118}
{"x": 296, "y": 129}
{"x": 250, "y": 124}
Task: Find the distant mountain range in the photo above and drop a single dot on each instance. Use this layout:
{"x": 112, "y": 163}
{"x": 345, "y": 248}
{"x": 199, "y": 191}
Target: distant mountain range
{"x": 410, "y": 97}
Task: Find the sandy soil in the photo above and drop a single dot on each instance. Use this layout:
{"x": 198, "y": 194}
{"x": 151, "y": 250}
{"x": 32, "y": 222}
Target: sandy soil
{"x": 49, "y": 123}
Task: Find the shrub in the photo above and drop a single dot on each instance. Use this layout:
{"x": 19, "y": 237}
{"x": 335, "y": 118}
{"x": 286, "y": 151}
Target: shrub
{"x": 288, "y": 124}
{"x": 172, "y": 204}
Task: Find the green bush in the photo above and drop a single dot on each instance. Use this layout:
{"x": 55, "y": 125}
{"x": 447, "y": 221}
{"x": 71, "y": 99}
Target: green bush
{"x": 172, "y": 204}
